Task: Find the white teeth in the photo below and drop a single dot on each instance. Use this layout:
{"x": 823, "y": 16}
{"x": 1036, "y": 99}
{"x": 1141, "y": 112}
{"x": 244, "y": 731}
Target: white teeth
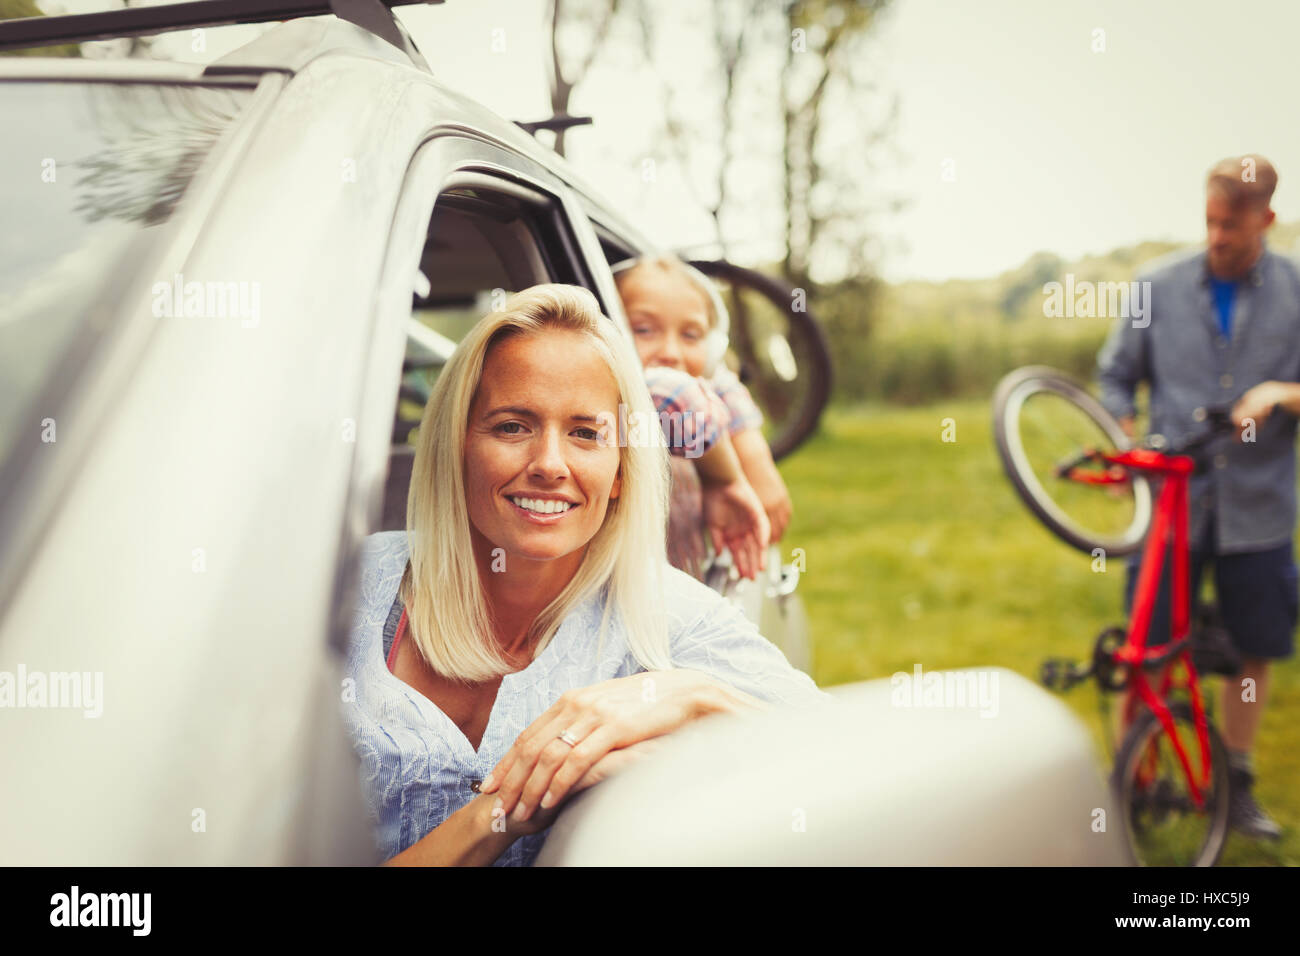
{"x": 542, "y": 506}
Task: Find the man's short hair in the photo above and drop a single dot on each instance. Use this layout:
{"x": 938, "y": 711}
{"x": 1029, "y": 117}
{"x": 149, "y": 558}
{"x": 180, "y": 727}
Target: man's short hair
{"x": 1247, "y": 180}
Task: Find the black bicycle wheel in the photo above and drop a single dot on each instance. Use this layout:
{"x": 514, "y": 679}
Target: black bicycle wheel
{"x": 1163, "y": 824}
{"x": 785, "y": 360}
{"x": 1041, "y": 420}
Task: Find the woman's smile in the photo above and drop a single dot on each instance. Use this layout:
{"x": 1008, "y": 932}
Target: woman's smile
{"x": 542, "y": 511}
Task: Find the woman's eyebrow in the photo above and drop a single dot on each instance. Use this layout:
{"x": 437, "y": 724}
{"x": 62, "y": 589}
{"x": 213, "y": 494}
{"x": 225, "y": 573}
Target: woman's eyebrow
{"x": 529, "y": 413}
{"x": 511, "y": 410}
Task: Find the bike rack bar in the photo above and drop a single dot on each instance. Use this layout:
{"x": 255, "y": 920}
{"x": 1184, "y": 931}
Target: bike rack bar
{"x": 374, "y": 15}
{"x": 555, "y": 123}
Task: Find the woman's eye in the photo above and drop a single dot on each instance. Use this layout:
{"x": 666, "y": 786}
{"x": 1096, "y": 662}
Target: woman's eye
{"x": 642, "y": 330}
{"x": 504, "y": 425}
{"x": 589, "y": 433}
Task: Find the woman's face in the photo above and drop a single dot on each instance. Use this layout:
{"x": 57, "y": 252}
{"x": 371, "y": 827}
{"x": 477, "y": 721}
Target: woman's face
{"x": 669, "y": 318}
{"x": 538, "y": 479}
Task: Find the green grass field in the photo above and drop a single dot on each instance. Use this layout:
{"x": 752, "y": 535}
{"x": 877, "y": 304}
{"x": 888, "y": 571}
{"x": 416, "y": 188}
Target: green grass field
{"x": 919, "y": 551}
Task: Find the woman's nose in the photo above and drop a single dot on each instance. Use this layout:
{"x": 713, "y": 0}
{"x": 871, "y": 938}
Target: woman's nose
{"x": 548, "y": 455}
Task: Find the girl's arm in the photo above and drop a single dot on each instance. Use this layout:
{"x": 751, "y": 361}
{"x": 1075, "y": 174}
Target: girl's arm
{"x": 733, "y": 512}
{"x": 695, "y": 422}
{"x": 756, "y": 461}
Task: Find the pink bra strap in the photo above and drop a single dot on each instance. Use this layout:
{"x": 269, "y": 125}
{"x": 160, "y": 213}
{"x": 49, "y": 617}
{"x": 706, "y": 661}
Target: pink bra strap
{"x": 397, "y": 639}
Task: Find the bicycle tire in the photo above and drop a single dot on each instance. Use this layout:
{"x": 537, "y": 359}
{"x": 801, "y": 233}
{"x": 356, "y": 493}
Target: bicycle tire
{"x": 804, "y": 328}
{"x": 1140, "y": 733}
{"x": 1008, "y": 398}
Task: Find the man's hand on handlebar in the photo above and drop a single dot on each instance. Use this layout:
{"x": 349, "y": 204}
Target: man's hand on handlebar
{"x": 1260, "y": 402}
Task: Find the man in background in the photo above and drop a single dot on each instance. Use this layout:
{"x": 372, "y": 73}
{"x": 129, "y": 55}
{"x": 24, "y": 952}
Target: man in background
{"x": 1224, "y": 329}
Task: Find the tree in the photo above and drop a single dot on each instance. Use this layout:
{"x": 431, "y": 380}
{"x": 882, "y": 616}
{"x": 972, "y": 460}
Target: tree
{"x": 819, "y": 48}
{"x": 730, "y": 37}
{"x": 825, "y": 50}
{"x": 566, "y": 17}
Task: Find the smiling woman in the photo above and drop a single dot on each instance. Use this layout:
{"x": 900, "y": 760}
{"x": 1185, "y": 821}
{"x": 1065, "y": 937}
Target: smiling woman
{"x": 550, "y": 642}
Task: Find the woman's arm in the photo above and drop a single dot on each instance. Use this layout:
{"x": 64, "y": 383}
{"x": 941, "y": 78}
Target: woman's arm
{"x": 723, "y": 643}
{"x": 466, "y": 838}
{"x": 539, "y": 771}
{"x": 477, "y": 834}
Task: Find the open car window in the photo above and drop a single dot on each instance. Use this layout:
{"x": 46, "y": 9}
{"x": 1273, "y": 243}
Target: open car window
{"x": 487, "y": 239}
{"x": 480, "y": 248}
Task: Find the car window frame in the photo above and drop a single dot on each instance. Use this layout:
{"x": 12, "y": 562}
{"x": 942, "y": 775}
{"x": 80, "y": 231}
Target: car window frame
{"x": 445, "y": 155}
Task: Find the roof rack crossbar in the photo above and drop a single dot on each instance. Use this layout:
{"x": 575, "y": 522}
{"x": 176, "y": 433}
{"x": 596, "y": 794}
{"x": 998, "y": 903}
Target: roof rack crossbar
{"x": 555, "y": 123}
{"x": 373, "y": 15}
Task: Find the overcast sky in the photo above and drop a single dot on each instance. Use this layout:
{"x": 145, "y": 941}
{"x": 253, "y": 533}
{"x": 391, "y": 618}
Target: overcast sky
{"x": 1053, "y": 146}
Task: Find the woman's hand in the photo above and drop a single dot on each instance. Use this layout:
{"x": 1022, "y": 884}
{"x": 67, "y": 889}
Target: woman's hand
{"x": 737, "y": 522}
{"x": 613, "y": 763}
{"x": 540, "y": 770}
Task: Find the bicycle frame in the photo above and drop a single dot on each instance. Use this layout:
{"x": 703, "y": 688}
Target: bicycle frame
{"x": 1169, "y": 523}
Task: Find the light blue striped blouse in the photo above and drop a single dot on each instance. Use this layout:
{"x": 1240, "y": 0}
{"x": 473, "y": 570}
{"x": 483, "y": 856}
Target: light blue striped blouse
{"x": 416, "y": 764}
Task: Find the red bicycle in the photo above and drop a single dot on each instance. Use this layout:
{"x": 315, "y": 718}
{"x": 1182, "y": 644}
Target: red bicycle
{"x": 1072, "y": 464}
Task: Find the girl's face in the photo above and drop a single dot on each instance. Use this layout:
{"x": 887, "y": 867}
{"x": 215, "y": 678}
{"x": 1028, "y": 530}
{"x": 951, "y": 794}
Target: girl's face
{"x": 538, "y": 480}
{"x": 669, "y": 319}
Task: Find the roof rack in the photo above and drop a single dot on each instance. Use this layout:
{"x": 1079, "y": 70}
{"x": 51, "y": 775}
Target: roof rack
{"x": 375, "y": 16}
{"x": 555, "y": 123}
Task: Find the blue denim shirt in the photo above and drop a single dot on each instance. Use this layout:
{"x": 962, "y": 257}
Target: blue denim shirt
{"x": 1189, "y": 363}
{"x": 417, "y": 767}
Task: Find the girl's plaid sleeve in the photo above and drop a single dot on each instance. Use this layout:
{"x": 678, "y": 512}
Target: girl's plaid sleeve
{"x": 692, "y": 416}
{"x": 743, "y": 411}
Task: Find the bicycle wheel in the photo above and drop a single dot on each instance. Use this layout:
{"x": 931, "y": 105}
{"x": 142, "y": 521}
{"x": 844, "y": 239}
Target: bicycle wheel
{"x": 1164, "y": 826}
{"x": 785, "y": 360}
{"x": 1042, "y": 419}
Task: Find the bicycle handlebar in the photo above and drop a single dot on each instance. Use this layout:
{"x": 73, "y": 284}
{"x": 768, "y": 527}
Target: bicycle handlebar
{"x": 1218, "y": 421}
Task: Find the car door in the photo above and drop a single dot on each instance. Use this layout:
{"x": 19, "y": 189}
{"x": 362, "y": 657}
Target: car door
{"x": 189, "y": 561}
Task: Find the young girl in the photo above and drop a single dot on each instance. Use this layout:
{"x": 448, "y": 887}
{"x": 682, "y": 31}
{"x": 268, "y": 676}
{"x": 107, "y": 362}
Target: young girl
{"x": 678, "y": 322}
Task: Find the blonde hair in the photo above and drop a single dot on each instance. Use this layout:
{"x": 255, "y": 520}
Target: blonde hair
{"x": 672, "y": 265}
{"x": 448, "y": 613}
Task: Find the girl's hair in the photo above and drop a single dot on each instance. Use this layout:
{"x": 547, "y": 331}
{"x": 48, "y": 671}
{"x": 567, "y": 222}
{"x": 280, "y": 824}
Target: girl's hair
{"x": 667, "y": 262}
{"x": 447, "y": 609}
